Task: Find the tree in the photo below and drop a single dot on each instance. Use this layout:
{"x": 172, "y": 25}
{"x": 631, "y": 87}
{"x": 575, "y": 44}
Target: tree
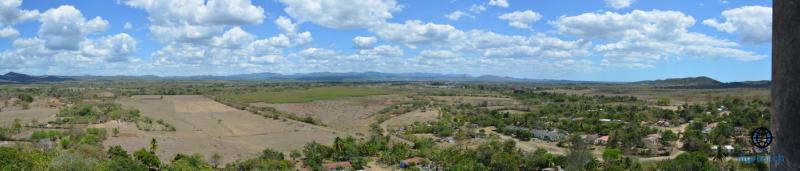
{"x": 125, "y": 164}
{"x": 663, "y": 101}
{"x": 578, "y": 155}
{"x": 668, "y": 136}
{"x": 115, "y": 131}
{"x": 117, "y": 151}
{"x": 153, "y": 145}
{"x": 216, "y": 159}
{"x": 150, "y": 159}
{"x": 17, "y": 125}
{"x": 25, "y": 97}
{"x": 687, "y": 161}
{"x": 505, "y": 161}
{"x": 295, "y": 154}
{"x": 269, "y": 154}
{"x": 612, "y": 159}
{"x": 189, "y": 162}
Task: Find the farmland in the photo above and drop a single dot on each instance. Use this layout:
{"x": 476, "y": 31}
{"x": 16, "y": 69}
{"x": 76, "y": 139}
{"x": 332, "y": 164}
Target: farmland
{"x": 303, "y": 95}
{"x": 375, "y": 125}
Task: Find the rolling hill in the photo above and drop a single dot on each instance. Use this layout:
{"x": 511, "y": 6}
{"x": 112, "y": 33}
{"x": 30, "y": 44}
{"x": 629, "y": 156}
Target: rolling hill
{"x": 13, "y": 77}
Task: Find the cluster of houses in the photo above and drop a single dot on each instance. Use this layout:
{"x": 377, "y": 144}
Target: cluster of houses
{"x": 542, "y": 134}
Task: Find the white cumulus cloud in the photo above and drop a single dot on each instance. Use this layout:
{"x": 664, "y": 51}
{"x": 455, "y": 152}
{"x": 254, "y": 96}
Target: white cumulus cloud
{"x": 342, "y": 14}
{"x": 619, "y": 4}
{"x": 364, "y": 42}
{"x": 499, "y": 3}
{"x": 414, "y": 32}
{"x": 9, "y": 32}
{"x": 752, "y": 23}
{"x": 457, "y": 15}
{"x": 64, "y": 26}
{"x": 521, "y": 19}
{"x": 11, "y": 14}
{"x": 641, "y": 38}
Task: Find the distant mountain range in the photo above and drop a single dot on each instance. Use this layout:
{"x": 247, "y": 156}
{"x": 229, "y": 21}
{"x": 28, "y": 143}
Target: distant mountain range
{"x": 701, "y": 82}
{"x": 689, "y": 82}
{"x": 13, "y": 77}
{"x": 338, "y": 76}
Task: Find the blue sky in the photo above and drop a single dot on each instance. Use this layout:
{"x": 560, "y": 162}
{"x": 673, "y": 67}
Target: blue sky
{"x": 603, "y": 40}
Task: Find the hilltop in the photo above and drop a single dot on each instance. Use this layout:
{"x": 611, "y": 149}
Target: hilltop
{"x": 13, "y": 77}
{"x": 701, "y": 82}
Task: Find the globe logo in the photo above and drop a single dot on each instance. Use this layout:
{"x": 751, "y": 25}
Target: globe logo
{"x": 762, "y": 137}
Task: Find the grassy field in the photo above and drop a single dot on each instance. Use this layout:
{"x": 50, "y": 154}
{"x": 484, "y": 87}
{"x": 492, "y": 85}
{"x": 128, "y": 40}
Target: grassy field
{"x": 304, "y": 95}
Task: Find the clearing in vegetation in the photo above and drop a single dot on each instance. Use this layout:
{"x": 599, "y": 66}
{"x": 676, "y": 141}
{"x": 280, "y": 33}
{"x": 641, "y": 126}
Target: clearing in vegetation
{"x": 214, "y": 128}
{"x": 303, "y": 95}
{"x": 350, "y": 114}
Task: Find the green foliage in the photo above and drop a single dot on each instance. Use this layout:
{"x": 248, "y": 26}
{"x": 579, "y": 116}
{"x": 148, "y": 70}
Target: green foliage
{"x": 117, "y": 151}
{"x": 295, "y": 154}
{"x": 302, "y": 95}
{"x": 578, "y": 155}
{"x": 688, "y": 161}
{"x": 74, "y": 161}
{"x": 43, "y": 134}
{"x": 125, "y": 164}
{"x": 315, "y": 153}
{"x": 261, "y": 164}
{"x": 668, "y": 136}
{"x": 663, "y": 101}
{"x": 269, "y": 154}
{"x": 14, "y": 159}
{"x": 147, "y": 158}
{"x": 193, "y": 162}
{"x": 25, "y": 98}
{"x": 153, "y": 145}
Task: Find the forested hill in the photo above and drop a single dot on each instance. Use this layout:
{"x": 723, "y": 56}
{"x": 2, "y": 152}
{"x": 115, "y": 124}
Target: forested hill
{"x": 13, "y": 77}
{"x": 688, "y": 81}
{"x": 701, "y": 82}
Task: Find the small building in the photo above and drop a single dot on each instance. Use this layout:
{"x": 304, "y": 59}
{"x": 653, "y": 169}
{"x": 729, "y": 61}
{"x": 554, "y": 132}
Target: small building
{"x": 337, "y": 166}
{"x": 414, "y": 161}
{"x": 728, "y": 149}
{"x": 651, "y": 139}
{"x": 447, "y": 139}
{"x": 740, "y": 130}
{"x": 663, "y": 123}
{"x": 105, "y": 94}
{"x": 589, "y": 139}
{"x": 602, "y": 140}
{"x": 542, "y": 134}
{"x": 548, "y": 135}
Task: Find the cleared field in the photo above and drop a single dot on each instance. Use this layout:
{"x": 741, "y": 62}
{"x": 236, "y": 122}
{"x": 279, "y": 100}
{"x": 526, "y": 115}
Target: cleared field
{"x": 410, "y": 118}
{"x": 304, "y": 95}
{"x": 206, "y": 127}
{"x": 677, "y": 96}
{"x": 41, "y": 114}
{"x": 490, "y": 101}
{"x": 352, "y": 115}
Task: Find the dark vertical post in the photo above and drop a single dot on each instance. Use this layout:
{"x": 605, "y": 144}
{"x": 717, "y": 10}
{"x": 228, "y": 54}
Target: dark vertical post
{"x": 786, "y": 84}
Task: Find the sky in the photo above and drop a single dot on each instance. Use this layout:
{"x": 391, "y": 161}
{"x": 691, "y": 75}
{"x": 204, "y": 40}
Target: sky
{"x": 596, "y": 40}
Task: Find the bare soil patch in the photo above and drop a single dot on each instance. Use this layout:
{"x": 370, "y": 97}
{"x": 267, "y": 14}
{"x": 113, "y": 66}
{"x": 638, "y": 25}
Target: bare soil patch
{"x": 206, "y": 127}
{"x": 41, "y": 114}
{"x": 353, "y": 115}
{"x": 410, "y": 118}
{"x": 490, "y": 101}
